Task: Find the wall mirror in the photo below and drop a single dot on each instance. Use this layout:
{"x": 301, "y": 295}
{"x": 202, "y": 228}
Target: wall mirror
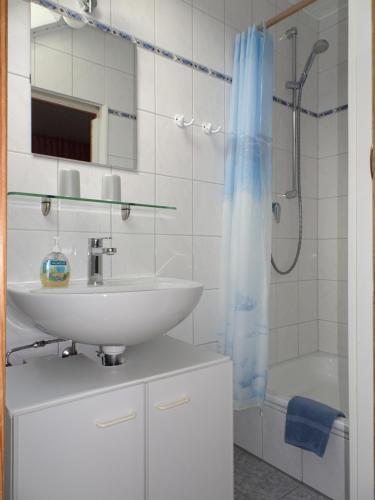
{"x": 83, "y": 90}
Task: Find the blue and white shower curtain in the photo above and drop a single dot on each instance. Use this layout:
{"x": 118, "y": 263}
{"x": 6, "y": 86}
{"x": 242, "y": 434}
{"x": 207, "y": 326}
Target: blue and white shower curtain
{"x": 246, "y": 254}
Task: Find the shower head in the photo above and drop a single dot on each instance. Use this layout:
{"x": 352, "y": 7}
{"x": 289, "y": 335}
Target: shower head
{"x": 319, "y": 47}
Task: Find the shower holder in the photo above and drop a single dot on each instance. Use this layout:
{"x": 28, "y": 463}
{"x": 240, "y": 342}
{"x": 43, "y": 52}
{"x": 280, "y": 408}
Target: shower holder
{"x": 276, "y": 210}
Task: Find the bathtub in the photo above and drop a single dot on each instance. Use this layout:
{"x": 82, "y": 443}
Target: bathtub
{"x": 319, "y": 376}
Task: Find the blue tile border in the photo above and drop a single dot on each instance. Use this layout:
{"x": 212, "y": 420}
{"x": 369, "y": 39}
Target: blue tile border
{"x": 344, "y": 107}
{"x": 122, "y": 114}
{"x": 311, "y": 113}
{"x": 50, "y": 4}
{"x": 290, "y": 105}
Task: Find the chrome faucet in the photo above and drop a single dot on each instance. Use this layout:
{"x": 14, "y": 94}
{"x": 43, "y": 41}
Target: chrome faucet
{"x": 95, "y": 261}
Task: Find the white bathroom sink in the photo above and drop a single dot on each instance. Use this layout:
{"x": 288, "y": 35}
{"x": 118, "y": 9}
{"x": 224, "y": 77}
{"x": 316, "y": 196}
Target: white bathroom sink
{"x": 119, "y": 313}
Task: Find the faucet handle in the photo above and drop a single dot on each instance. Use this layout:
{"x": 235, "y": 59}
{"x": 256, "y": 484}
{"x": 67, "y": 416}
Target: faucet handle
{"x": 110, "y": 251}
{"x": 98, "y": 242}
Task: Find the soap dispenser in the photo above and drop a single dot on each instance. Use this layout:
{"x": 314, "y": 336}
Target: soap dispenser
{"x": 55, "y": 268}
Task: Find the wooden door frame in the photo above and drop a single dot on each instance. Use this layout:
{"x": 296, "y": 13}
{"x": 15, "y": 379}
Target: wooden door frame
{"x": 3, "y": 217}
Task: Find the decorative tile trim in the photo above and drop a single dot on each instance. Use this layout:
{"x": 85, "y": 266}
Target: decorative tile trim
{"x": 122, "y": 114}
{"x": 332, "y": 111}
{"x": 65, "y": 11}
{"x": 290, "y": 105}
{"x": 311, "y": 113}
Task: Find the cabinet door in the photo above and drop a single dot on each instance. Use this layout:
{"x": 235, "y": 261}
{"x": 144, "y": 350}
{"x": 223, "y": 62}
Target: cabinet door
{"x": 91, "y": 449}
{"x": 190, "y": 433}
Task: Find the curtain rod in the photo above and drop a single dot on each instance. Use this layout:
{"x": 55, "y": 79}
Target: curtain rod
{"x": 287, "y": 12}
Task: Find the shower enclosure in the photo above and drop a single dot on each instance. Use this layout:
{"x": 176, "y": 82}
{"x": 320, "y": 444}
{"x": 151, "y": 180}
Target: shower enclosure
{"x": 296, "y": 86}
{"x": 308, "y": 286}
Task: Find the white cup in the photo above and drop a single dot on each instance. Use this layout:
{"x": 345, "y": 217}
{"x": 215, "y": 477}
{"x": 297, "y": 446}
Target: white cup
{"x": 69, "y": 184}
{"x": 111, "y": 187}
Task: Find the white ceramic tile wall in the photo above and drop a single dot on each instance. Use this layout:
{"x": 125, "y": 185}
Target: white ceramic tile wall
{"x": 321, "y": 275}
{"x": 180, "y": 166}
{"x": 176, "y": 166}
{"x": 293, "y": 297}
{"x": 333, "y": 188}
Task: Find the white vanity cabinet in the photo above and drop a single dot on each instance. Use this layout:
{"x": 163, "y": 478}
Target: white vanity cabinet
{"x": 86, "y": 449}
{"x": 161, "y": 431}
{"x": 189, "y": 440}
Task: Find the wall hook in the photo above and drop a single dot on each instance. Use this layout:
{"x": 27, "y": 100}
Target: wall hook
{"x": 180, "y": 121}
{"x": 207, "y": 128}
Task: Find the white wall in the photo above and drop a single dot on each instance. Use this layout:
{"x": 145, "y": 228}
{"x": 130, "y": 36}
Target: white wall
{"x": 360, "y": 255}
{"x": 333, "y": 187}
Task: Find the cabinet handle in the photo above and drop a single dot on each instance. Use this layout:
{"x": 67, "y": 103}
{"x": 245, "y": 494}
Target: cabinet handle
{"x": 175, "y": 404}
{"x": 103, "y": 425}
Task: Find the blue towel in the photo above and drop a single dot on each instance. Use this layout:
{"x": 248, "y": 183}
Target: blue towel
{"x": 309, "y": 423}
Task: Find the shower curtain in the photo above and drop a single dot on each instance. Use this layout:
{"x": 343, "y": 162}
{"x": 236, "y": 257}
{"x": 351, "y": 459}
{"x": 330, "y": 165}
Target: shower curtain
{"x": 246, "y": 254}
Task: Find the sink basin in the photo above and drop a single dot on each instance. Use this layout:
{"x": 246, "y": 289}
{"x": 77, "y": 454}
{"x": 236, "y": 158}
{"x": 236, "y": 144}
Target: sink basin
{"x": 119, "y": 313}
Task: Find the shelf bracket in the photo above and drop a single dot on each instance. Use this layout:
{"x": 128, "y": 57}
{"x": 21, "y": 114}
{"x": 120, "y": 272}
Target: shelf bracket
{"x": 46, "y": 206}
{"x": 125, "y": 212}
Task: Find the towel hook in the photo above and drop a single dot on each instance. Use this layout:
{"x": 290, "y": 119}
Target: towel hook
{"x": 180, "y": 121}
{"x": 207, "y": 128}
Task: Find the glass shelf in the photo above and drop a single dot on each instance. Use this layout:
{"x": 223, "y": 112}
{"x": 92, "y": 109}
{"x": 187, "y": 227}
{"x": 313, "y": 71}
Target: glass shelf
{"x": 125, "y": 205}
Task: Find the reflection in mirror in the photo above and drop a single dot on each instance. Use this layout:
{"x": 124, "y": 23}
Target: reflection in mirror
{"x": 83, "y": 91}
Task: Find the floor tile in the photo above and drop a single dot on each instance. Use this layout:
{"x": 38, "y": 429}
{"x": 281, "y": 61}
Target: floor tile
{"x": 245, "y": 464}
{"x": 258, "y": 480}
{"x": 304, "y": 493}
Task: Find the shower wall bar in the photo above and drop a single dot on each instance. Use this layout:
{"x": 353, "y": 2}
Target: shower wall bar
{"x": 90, "y": 21}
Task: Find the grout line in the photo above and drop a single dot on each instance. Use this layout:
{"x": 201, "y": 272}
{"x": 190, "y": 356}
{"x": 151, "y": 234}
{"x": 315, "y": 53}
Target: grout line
{"x": 119, "y": 233}
{"x": 342, "y": 63}
{"x": 190, "y": 178}
{"x": 308, "y": 280}
{"x": 74, "y": 56}
{"x": 291, "y": 491}
{"x": 27, "y": 77}
{"x": 193, "y": 87}
{"x": 332, "y": 197}
{"x": 199, "y": 9}
{"x": 333, "y": 322}
{"x": 339, "y": 153}
{"x": 155, "y": 151}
